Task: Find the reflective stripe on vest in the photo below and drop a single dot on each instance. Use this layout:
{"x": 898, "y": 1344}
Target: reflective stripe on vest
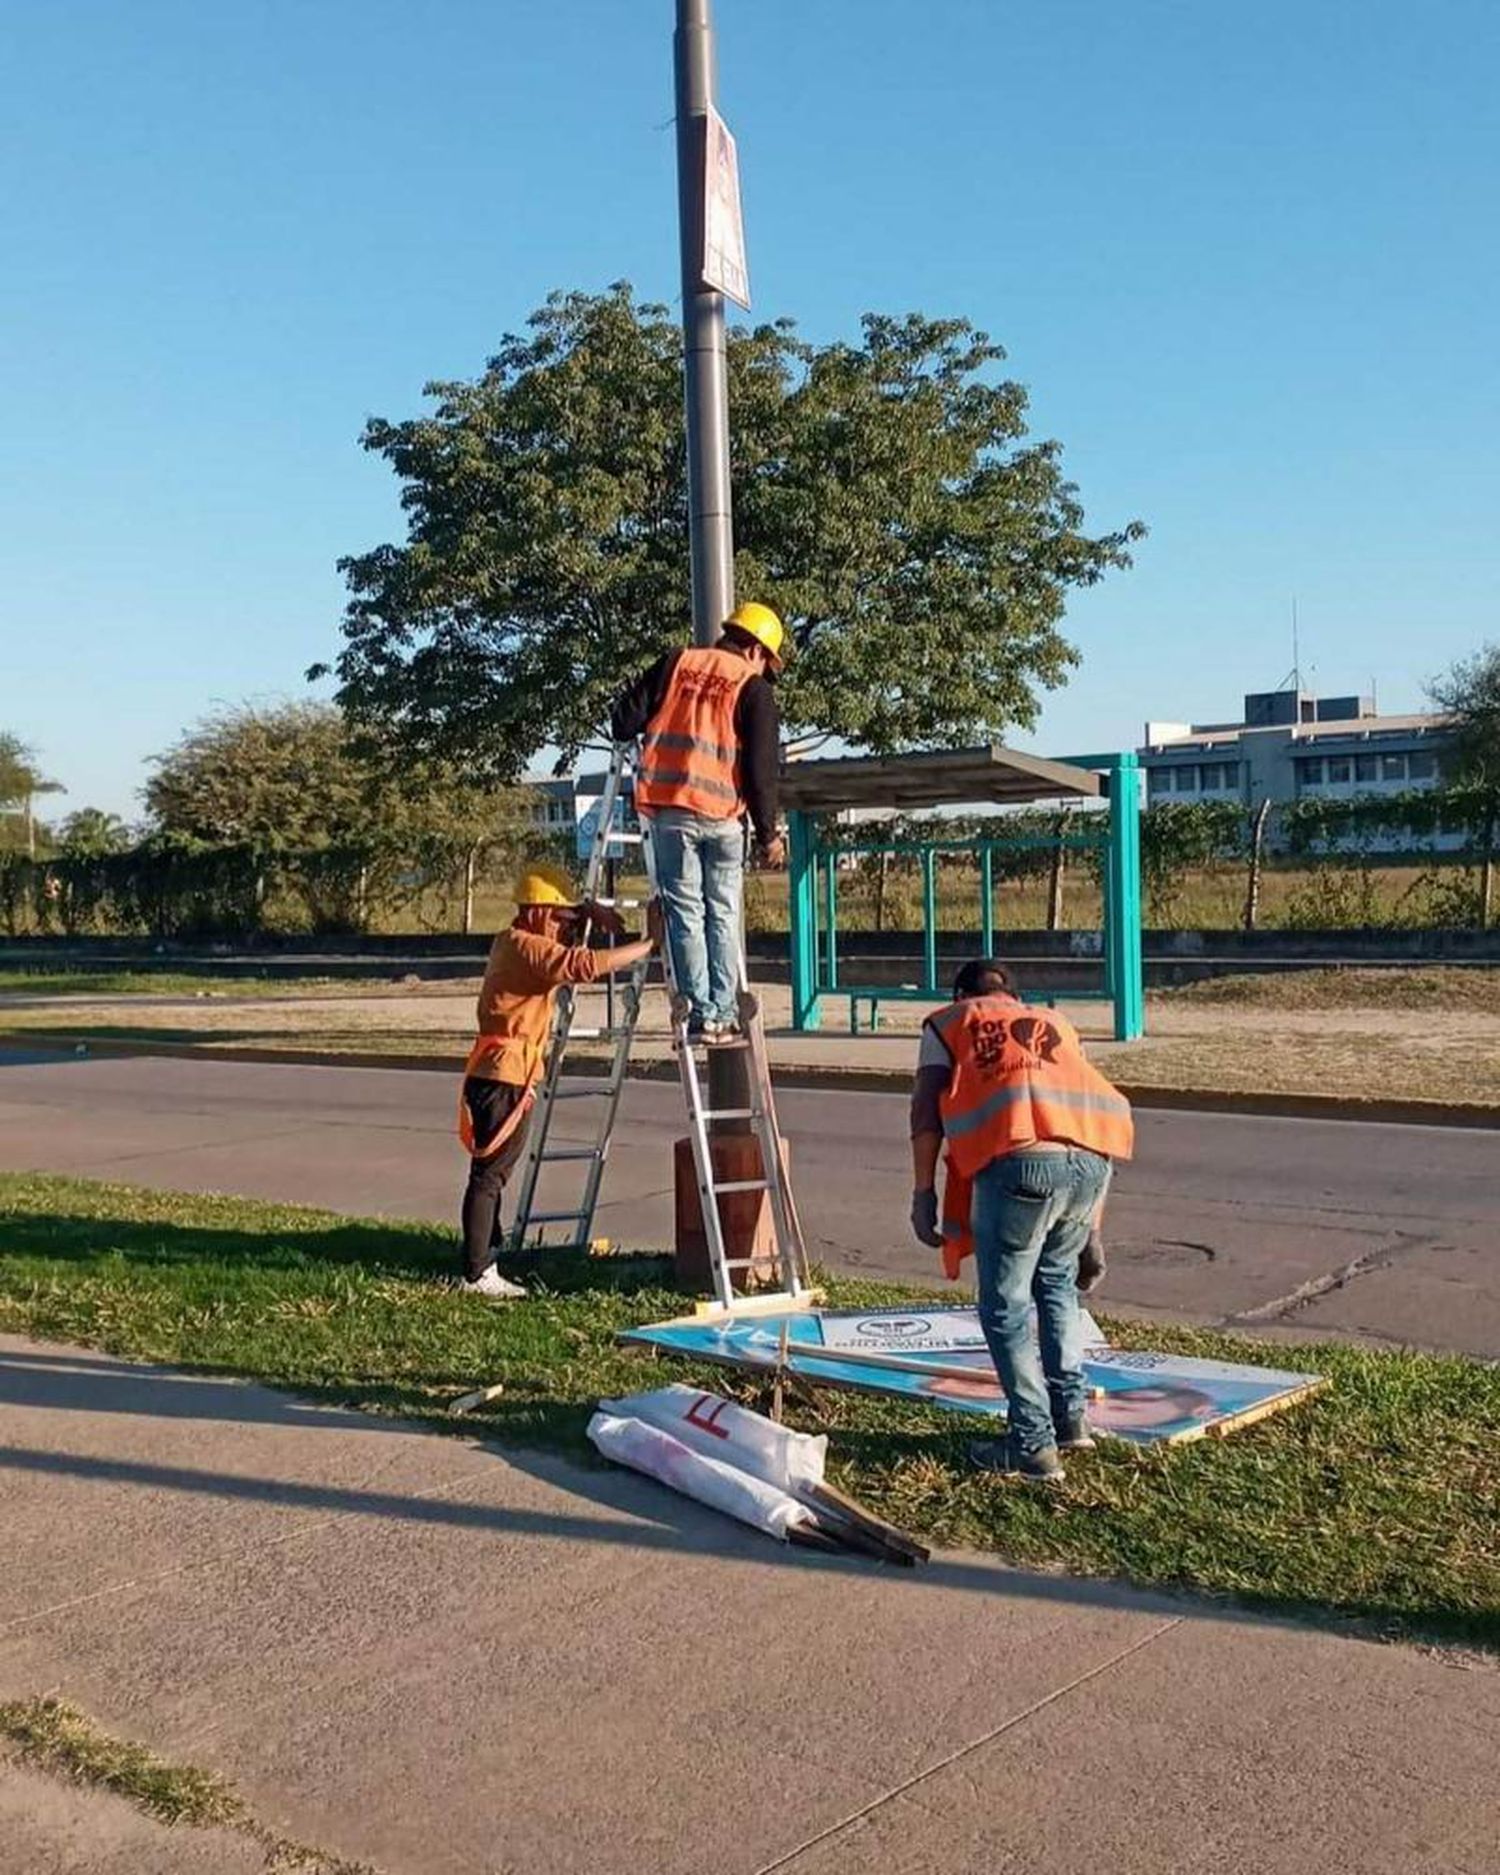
{"x": 690, "y": 756}
{"x": 1019, "y": 1076}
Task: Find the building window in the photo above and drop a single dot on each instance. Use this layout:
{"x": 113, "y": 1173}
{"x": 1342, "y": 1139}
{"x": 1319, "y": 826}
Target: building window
{"x": 1310, "y": 772}
{"x": 1421, "y": 765}
{"x": 1187, "y": 780}
{"x": 1209, "y": 776}
{"x": 1340, "y": 771}
{"x": 1393, "y": 768}
{"x": 1231, "y": 774}
{"x": 1159, "y": 780}
{"x": 1365, "y": 768}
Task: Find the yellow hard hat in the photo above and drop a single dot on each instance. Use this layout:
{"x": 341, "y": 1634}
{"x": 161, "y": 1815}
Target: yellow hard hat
{"x": 760, "y": 623}
{"x": 542, "y": 884}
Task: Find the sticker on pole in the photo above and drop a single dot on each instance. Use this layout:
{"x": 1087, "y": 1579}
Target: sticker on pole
{"x": 586, "y": 820}
{"x": 725, "y": 268}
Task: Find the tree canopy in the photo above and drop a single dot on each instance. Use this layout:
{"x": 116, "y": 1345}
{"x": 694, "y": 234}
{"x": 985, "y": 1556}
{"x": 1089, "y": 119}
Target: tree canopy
{"x": 292, "y": 779}
{"x": 887, "y": 502}
{"x": 1469, "y": 695}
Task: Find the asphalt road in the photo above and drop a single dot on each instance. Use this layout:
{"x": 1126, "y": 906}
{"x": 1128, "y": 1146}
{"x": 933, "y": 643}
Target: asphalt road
{"x": 1385, "y": 1233}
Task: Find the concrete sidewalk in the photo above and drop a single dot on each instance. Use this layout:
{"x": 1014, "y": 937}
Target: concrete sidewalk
{"x": 443, "y": 1660}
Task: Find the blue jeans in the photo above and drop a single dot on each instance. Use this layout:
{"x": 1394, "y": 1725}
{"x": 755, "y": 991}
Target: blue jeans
{"x": 700, "y": 873}
{"x": 1032, "y": 1212}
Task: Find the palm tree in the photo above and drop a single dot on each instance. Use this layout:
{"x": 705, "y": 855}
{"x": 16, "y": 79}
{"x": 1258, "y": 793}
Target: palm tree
{"x": 21, "y": 781}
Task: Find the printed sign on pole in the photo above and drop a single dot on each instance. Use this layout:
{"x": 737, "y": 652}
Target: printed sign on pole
{"x": 586, "y": 821}
{"x": 725, "y": 268}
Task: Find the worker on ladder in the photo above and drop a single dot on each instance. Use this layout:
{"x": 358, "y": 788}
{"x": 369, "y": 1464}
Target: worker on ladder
{"x": 710, "y": 753}
{"x": 543, "y": 950}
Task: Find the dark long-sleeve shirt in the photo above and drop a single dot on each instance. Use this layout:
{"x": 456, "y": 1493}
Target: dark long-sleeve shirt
{"x": 757, "y": 726}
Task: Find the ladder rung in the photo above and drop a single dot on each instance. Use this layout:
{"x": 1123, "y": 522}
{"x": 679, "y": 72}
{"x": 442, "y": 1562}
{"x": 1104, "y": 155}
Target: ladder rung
{"x": 743, "y": 1184}
{"x": 555, "y": 1217}
{"x": 596, "y": 1035}
{"x": 571, "y": 1152}
{"x": 584, "y": 1093}
{"x": 729, "y": 1113}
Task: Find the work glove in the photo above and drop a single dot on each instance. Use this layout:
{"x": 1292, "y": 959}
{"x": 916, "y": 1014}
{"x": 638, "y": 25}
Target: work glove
{"x": 1091, "y": 1264}
{"x": 604, "y": 920}
{"x": 924, "y": 1219}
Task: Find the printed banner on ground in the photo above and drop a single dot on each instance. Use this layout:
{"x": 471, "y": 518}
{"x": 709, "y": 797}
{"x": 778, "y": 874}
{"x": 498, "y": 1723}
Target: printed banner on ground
{"x": 937, "y": 1357}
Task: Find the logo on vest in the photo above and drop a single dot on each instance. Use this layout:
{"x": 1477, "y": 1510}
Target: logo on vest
{"x": 1014, "y": 1044}
{"x": 706, "y": 687}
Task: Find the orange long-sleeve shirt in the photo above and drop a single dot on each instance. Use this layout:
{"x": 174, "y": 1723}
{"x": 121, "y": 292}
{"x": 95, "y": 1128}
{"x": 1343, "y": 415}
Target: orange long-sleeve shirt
{"x": 521, "y": 980}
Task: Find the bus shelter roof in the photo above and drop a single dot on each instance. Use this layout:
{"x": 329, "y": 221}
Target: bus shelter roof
{"x": 946, "y": 778}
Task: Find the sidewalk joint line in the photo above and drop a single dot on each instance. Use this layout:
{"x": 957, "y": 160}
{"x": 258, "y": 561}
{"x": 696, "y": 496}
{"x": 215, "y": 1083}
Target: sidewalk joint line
{"x": 152, "y": 1582}
{"x": 963, "y": 1751}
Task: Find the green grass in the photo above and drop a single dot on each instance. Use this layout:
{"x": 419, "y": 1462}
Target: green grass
{"x": 55, "y": 1737}
{"x": 1375, "y": 1502}
{"x": 1402, "y": 987}
{"x": 86, "y": 983}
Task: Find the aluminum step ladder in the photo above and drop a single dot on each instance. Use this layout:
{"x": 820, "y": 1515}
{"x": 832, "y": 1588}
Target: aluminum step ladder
{"x": 791, "y": 1251}
{"x": 623, "y": 1006}
{"x": 791, "y": 1248}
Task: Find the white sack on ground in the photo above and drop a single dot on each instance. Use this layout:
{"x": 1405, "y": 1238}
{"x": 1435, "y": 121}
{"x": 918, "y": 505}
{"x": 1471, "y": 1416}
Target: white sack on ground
{"x": 660, "y": 1455}
{"x": 732, "y": 1435}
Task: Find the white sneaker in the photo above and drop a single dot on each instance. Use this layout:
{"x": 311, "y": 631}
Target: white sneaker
{"x": 494, "y": 1287}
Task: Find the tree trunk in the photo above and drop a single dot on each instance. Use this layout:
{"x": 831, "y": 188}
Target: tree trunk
{"x": 1487, "y": 874}
{"x": 1257, "y": 854}
{"x": 362, "y": 898}
{"x": 1058, "y": 874}
{"x": 30, "y": 830}
{"x": 471, "y": 860}
{"x": 882, "y": 878}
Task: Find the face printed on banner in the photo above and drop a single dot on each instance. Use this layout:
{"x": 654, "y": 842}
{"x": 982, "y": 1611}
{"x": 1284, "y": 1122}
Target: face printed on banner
{"x": 1151, "y": 1409}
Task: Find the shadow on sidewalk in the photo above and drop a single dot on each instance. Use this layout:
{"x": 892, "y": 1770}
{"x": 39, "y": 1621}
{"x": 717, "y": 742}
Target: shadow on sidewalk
{"x": 79, "y": 1383}
{"x": 624, "y": 1512}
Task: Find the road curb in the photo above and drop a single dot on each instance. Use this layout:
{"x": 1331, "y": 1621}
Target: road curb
{"x": 803, "y": 1075}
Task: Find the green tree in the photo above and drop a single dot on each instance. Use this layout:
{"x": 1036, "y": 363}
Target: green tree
{"x": 277, "y": 779}
{"x": 91, "y": 833}
{"x": 21, "y": 781}
{"x": 886, "y": 501}
{"x": 292, "y": 783}
{"x": 1468, "y": 693}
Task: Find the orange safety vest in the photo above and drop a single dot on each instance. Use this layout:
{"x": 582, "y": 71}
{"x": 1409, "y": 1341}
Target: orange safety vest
{"x": 957, "y": 1225}
{"x": 1019, "y": 1076}
{"x": 485, "y": 1046}
{"x": 690, "y": 755}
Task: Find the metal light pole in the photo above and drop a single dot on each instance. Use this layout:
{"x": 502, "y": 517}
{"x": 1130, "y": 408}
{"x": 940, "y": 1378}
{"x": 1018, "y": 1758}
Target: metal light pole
{"x": 705, "y": 377}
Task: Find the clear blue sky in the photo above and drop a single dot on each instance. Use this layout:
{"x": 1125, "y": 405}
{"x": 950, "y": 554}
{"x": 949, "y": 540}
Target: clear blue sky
{"x": 1245, "y": 258}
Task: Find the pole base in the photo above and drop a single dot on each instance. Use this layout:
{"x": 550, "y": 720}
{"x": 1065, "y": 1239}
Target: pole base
{"x": 744, "y": 1216}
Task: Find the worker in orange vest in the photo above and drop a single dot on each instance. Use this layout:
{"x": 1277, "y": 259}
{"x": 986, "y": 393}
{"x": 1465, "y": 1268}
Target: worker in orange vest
{"x": 710, "y": 754}
{"x": 1032, "y": 1131}
{"x": 528, "y": 964}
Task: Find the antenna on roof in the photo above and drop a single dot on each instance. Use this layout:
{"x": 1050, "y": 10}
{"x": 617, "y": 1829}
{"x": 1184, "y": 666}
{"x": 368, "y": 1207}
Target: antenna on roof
{"x": 1293, "y": 678}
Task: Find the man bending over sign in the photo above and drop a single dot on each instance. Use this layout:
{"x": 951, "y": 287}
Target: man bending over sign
{"x": 1032, "y": 1132}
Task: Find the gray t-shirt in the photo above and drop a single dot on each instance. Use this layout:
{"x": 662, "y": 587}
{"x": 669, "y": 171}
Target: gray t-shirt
{"x": 934, "y": 1066}
{"x": 933, "y": 1052}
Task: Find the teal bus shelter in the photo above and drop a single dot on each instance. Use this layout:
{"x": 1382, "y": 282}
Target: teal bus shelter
{"x": 813, "y": 792}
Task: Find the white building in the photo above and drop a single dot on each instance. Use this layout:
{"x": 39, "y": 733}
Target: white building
{"x": 1291, "y": 745}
